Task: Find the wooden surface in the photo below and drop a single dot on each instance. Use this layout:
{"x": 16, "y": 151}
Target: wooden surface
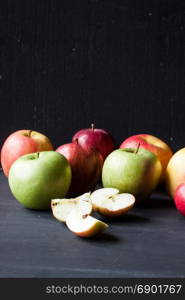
{"x": 119, "y": 64}
{"x": 148, "y": 242}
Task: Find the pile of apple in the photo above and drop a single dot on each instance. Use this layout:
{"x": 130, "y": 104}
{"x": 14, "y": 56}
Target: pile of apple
{"x": 64, "y": 180}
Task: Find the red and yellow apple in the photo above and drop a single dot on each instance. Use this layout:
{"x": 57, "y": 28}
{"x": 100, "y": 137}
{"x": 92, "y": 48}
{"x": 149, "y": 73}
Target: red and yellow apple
{"x": 179, "y": 198}
{"x": 20, "y": 143}
{"x": 153, "y": 144}
{"x": 175, "y": 171}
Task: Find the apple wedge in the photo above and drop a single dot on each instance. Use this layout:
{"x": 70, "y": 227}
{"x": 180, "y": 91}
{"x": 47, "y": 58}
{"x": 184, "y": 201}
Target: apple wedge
{"x": 62, "y": 207}
{"x": 84, "y": 225}
{"x": 108, "y": 202}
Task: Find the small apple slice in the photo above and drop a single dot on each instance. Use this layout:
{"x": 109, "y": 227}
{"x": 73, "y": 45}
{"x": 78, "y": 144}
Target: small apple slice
{"x": 108, "y": 202}
{"x": 84, "y": 225}
{"x": 62, "y": 207}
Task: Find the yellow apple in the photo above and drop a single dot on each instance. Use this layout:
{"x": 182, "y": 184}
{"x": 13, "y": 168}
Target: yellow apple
{"x": 175, "y": 171}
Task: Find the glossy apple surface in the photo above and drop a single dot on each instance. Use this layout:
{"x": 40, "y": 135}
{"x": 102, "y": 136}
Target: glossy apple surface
{"x": 137, "y": 173}
{"x": 153, "y": 144}
{"x": 179, "y": 198}
{"x": 36, "y": 178}
{"x": 97, "y": 138}
{"x": 86, "y": 165}
{"x": 175, "y": 171}
{"x": 20, "y": 143}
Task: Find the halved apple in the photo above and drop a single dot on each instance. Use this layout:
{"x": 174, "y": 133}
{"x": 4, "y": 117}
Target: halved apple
{"x": 84, "y": 225}
{"x": 108, "y": 202}
{"x": 62, "y": 207}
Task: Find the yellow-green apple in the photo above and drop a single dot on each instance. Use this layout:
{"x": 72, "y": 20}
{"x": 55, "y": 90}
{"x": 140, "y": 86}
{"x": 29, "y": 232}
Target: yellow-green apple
{"x": 108, "y": 202}
{"x": 62, "y": 207}
{"x": 84, "y": 225}
{"x": 179, "y": 198}
{"x": 153, "y": 144}
{"x": 135, "y": 171}
{"x": 20, "y": 143}
{"x": 175, "y": 171}
{"x": 36, "y": 178}
{"x": 86, "y": 165}
{"x": 98, "y": 139}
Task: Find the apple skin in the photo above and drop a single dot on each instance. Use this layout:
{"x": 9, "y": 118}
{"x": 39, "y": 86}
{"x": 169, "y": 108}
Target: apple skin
{"x": 153, "y": 144}
{"x": 36, "y": 178}
{"x": 175, "y": 172}
{"x": 86, "y": 165}
{"x": 20, "y": 143}
{"x": 179, "y": 198}
{"x": 99, "y": 139}
{"x": 130, "y": 172}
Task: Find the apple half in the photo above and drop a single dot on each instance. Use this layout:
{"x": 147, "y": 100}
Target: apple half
{"x": 61, "y": 208}
{"x": 84, "y": 225}
{"x": 108, "y": 202}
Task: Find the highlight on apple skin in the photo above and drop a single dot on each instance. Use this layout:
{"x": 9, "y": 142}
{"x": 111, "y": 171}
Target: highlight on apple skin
{"x": 86, "y": 165}
{"x": 96, "y": 138}
{"x": 20, "y": 143}
{"x": 153, "y": 144}
{"x": 134, "y": 171}
{"x": 36, "y": 178}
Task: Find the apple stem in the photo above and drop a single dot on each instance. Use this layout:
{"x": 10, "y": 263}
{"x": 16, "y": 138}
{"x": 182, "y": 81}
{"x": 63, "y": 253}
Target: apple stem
{"x": 76, "y": 140}
{"x": 92, "y": 126}
{"x": 137, "y": 149}
{"x": 38, "y": 153}
{"x": 29, "y": 133}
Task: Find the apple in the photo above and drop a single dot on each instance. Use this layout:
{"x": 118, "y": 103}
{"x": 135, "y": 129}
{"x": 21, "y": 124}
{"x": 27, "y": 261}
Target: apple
{"x": 179, "y": 198}
{"x": 96, "y": 138}
{"x": 62, "y": 207}
{"x": 135, "y": 171}
{"x": 36, "y": 178}
{"x": 84, "y": 225}
{"x": 20, "y": 143}
{"x": 175, "y": 172}
{"x": 153, "y": 144}
{"x": 86, "y": 165}
{"x": 108, "y": 202}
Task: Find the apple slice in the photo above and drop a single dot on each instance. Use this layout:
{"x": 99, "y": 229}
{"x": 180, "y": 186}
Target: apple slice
{"x": 108, "y": 202}
{"x": 84, "y": 225}
{"x": 62, "y": 207}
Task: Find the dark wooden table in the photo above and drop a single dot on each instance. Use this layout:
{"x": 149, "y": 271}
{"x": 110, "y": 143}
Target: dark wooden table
{"x": 148, "y": 242}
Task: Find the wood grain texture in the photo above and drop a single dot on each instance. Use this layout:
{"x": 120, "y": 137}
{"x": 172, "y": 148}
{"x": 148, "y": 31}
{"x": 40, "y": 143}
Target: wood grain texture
{"x": 148, "y": 242}
{"x": 119, "y": 64}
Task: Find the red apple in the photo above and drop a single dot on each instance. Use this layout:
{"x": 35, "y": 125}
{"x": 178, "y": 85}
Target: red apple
{"x": 86, "y": 165}
{"x": 179, "y": 198}
{"x": 22, "y": 142}
{"x": 98, "y": 139}
{"x": 152, "y": 144}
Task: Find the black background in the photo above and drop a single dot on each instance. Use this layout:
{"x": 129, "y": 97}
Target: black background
{"x": 117, "y": 63}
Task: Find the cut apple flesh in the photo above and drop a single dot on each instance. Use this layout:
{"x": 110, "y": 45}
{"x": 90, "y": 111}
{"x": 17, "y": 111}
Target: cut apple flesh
{"x": 110, "y": 203}
{"x": 84, "y": 225}
{"x": 61, "y": 208}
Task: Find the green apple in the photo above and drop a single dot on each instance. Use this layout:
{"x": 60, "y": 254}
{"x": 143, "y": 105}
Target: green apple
{"x": 135, "y": 171}
{"x": 36, "y": 178}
